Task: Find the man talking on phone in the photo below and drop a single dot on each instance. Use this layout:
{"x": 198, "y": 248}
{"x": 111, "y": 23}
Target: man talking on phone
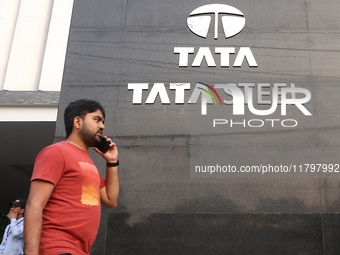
{"x": 63, "y": 207}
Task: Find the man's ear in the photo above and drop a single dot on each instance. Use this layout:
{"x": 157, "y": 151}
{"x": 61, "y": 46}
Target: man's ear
{"x": 77, "y": 122}
{"x": 22, "y": 210}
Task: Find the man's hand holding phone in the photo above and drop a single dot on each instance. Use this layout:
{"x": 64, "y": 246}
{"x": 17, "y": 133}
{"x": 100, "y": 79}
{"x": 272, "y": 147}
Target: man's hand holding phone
{"x": 104, "y": 144}
{"x": 107, "y": 149}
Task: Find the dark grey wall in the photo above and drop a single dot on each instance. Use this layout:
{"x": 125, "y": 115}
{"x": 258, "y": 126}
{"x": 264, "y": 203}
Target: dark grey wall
{"x": 161, "y": 209}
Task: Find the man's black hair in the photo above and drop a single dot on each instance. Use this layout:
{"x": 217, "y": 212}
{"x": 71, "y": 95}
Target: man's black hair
{"x": 79, "y": 108}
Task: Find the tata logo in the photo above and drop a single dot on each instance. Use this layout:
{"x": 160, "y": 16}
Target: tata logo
{"x": 199, "y": 20}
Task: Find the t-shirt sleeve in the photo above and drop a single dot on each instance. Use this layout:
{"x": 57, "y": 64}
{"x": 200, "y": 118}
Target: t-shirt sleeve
{"x": 102, "y": 181}
{"x": 49, "y": 165}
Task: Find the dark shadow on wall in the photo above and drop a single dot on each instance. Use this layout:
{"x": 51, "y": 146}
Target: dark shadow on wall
{"x": 204, "y": 233}
{"x": 214, "y": 225}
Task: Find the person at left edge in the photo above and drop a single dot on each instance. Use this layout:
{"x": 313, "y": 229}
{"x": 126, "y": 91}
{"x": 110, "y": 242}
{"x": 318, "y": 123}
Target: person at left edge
{"x": 12, "y": 241}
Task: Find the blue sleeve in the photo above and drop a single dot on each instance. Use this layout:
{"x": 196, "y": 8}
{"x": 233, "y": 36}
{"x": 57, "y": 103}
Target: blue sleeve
{"x": 17, "y": 229}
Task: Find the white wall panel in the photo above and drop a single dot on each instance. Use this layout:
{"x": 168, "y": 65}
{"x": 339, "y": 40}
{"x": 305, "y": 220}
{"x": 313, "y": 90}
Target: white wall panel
{"x": 54, "y": 58}
{"x": 34, "y": 35}
{"x": 25, "y": 61}
{"x": 28, "y": 113}
{"x": 8, "y": 17}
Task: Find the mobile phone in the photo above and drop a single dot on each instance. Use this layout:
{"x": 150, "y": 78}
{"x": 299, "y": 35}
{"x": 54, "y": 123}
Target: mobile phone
{"x": 103, "y": 146}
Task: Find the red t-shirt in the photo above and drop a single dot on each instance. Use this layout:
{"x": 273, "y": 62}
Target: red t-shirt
{"x": 72, "y": 214}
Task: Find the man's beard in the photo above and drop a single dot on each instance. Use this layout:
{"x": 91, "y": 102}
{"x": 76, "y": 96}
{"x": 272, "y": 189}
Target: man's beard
{"x": 88, "y": 137}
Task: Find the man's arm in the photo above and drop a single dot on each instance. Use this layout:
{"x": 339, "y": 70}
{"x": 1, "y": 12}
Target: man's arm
{"x": 109, "y": 193}
{"x": 40, "y": 192}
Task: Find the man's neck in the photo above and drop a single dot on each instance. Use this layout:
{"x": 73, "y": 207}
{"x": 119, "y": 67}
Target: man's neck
{"x": 20, "y": 216}
{"x": 77, "y": 142}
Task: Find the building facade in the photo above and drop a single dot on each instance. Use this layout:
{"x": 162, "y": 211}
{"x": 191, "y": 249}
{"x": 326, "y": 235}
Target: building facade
{"x": 226, "y": 116}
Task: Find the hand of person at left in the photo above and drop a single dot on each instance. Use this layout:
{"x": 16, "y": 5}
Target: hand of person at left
{"x": 12, "y": 215}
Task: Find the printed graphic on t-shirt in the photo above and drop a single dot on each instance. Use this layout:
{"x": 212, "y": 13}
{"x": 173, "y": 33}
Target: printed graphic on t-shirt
{"x": 90, "y": 187}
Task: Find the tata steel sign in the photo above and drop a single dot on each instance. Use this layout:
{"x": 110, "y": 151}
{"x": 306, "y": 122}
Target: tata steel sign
{"x": 240, "y": 95}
